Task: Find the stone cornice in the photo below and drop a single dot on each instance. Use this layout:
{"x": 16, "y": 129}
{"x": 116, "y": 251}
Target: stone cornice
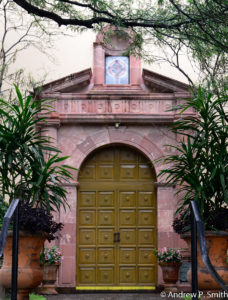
{"x": 114, "y": 95}
{"x": 138, "y": 119}
{"x": 72, "y": 80}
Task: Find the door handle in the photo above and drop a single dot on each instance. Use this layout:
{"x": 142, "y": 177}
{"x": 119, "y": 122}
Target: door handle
{"x": 116, "y": 237}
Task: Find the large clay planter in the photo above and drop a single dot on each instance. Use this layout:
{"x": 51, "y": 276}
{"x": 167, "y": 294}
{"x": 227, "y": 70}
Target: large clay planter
{"x": 30, "y": 273}
{"x": 170, "y": 272}
{"x": 217, "y": 245}
{"x": 49, "y": 279}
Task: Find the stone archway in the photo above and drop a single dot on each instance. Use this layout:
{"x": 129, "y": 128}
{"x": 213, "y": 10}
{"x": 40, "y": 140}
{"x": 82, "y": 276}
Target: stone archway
{"x": 105, "y": 137}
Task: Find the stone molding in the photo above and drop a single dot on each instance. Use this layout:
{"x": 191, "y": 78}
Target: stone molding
{"x": 117, "y": 136}
{"x": 164, "y": 185}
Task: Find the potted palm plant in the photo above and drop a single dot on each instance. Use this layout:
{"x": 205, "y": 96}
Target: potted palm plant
{"x": 198, "y": 167}
{"x": 32, "y": 170}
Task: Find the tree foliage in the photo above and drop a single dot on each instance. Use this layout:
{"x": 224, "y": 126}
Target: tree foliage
{"x": 202, "y": 23}
{"x": 197, "y": 27}
{"x": 18, "y": 32}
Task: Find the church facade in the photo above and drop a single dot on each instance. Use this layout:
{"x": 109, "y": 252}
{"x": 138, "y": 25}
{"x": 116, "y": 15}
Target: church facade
{"x": 113, "y": 121}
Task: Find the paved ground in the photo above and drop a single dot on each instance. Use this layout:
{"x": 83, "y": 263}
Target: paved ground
{"x": 114, "y": 296}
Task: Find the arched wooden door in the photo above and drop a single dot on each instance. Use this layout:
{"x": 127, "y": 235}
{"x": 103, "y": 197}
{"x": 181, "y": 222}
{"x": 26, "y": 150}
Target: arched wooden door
{"x": 116, "y": 221}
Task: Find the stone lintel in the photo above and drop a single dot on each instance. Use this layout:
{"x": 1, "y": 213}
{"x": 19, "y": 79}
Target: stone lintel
{"x": 112, "y": 95}
{"x": 120, "y": 118}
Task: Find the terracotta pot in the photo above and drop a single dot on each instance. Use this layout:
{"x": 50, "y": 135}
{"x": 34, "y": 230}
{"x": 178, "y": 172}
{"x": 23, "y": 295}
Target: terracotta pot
{"x": 30, "y": 273}
{"x": 217, "y": 245}
{"x": 49, "y": 279}
{"x": 170, "y": 272}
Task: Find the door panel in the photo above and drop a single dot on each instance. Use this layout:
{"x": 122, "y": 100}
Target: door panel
{"x": 87, "y": 275}
{"x": 128, "y": 236}
{"x": 127, "y": 217}
{"x": 106, "y": 218}
{"x": 87, "y": 255}
{"x": 87, "y": 237}
{"x": 106, "y": 199}
{"x": 146, "y": 275}
{"x": 127, "y": 199}
{"x": 128, "y": 275}
{"x": 105, "y": 276}
{"x": 106, "y": 256}
{"x": 127, "y": 255}
{"x": 105, "y": 236}
{"x": 116, "y": 221}
{"x": 87, "y": 218}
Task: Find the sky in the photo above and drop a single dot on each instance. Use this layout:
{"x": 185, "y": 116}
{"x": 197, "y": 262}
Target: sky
{"x": 74, "y": 53}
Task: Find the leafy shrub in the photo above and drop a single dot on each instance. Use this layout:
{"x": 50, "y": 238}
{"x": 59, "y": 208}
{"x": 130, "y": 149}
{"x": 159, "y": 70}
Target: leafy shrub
{"x": 3, "y": 209}
{"x": 215, "y": 221}
{"x": 37, "y": 219}
{"x": 182, "y": 222}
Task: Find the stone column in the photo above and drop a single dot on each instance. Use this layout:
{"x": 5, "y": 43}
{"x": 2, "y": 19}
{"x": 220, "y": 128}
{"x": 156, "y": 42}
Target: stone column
{"x": 166, "y": 206}
{"x": 135, "y": 70}
{"x": 51, "y": 128}
{"x": 98, "y": 64}
{"x": 67, "y": 241}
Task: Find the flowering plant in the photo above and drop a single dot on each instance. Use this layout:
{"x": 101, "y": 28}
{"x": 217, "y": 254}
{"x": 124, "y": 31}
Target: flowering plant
{"x": 51, "y": 256}
{"x": 168, "y": 254}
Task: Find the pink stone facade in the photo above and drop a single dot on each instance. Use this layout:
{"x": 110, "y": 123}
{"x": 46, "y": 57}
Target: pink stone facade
{"x": 90, "y": 114}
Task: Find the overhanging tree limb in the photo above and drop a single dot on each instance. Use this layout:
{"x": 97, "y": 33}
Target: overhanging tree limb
{"x": 32, "y": 9}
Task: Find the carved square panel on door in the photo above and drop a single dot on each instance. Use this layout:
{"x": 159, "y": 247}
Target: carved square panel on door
{"x": 106, "y": 218}
{"x": 127, "y": 255}
{"x": 87, "y": 199}
{"x": 128, "y": 275}
{"x": 146, "y": 256}
{"x": 87, "y": 237}
{"x": 106, "y": 256}
{"x": 105, "y": 236}
{"x": 146, "y": 217}
{"x": 107, "y": 155}
{"x": 146, "y": 199}
{"x": 147, "y": 275}
{"x": 105, "y": 172}
{"x": 128, "y": 172}
{"x": 87, "y": 218}
{"x": 146, "y": 237}
{"x": 128, "y": 157}
{"x": 88, "y": 172}
{"x": 105, "y": 275}
{"x": 127, "y": 217}
{"x": 87, "y": 255}
{"x": 127, "y": 199}
{"x": 128, "y": 236}
{"x": 106, "y": 199}
{"x": 145, "y": 172}
{"x": 87, "y": 275}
